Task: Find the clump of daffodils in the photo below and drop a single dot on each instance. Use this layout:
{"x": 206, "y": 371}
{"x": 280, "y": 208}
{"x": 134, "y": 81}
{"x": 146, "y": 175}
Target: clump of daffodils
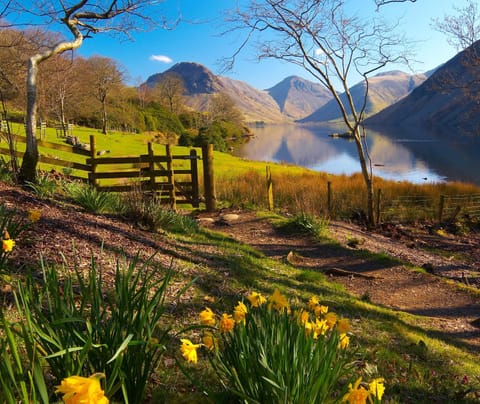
{"x": 78, "y": 389}
{"x": 276, "y": 341}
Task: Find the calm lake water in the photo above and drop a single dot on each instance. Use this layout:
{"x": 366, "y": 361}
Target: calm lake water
{"x": 407, "y": 155}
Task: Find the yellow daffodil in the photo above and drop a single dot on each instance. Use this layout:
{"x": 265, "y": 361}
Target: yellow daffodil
{"x": 303, "y": 317}
{"x": 8, "y": 244}
{"x": 189, "y": 350}
{"x": 34, "y": 215}
{"x": 308, "y": 327}
{"x": 239, "y": 312}
{"x": 343, "y": 326}
{"x": 344, "y": 341}
{"x": 256, "y": 299}
{"x": 356, "y": 394}
{"x": 320, "y": 328}
{"x": 210, "y": 341}
{"x": 278, "y": 301}
{"x": 207, "y": 317}
{"x": 78, "y": 389}
{"x": 226, "y": 323}
{"x": 320, "y": 310}
{"x": 331, "y": 319}
{"x": 312, "y": 303}
{"x": 377, "y": 388}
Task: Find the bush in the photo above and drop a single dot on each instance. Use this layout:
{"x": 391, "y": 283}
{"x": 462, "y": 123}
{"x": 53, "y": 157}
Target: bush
{"x": 45, "y": 186}
{"x": 149, "y": 212}
{"x": 307, "y": 224}
{"x": 92, "y": 200}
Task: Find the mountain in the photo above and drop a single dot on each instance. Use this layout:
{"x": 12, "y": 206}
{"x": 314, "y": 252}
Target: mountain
{"x": 447, "y": 99}
{"x": 384, "y": 89}
{"x": 298, "y": 97}
{"x": 201, "y": 85}
{"x": 293, "y": 98}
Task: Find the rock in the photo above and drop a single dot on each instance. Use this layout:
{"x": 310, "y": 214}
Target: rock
{"x": 229, "y": 217}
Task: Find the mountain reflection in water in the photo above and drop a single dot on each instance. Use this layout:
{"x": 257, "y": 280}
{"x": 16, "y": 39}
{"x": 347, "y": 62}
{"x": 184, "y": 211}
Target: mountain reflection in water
{"x": 408, "y": 155}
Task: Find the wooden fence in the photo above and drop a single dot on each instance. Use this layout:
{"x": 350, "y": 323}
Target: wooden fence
{"x": 406, "y": 208}
{"x": 154, "y": 173}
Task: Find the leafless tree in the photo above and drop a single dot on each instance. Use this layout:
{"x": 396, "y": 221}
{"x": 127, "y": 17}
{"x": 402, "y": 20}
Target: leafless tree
{"x": 82, "y": 19}
{"x": 462, "y": 29}
{"x": 221, "y": 107}
{"x": 332, "y": 46}
{"x": 169, "y": 92}
{"x": 103, "y": 77}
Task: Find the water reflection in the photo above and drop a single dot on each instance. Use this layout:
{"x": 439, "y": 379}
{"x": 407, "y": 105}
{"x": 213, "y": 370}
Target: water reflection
{"x": 411, "y": 155}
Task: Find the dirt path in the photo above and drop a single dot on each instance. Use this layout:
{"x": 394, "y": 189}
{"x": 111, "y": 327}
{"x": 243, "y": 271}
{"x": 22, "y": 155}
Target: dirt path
{"x": 443, "y": 306}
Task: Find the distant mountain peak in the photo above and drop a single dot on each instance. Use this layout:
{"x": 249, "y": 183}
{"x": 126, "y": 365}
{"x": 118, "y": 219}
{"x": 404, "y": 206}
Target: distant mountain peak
{"x": 197, "y": 79}
{"x": 298, "y": 97}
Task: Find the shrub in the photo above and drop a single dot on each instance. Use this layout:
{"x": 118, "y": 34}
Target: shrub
{"x": 149, "y": 212}
{"x": 305, "y": 223}
{"x": 92, "y": 200}
{"x": 45, "y": 186}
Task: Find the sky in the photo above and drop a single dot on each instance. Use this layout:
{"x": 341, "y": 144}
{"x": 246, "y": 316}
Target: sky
{"x": 196, "y": 39}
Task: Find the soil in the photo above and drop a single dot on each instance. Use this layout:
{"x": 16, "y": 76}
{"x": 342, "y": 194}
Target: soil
{"x": 444, "y": 296}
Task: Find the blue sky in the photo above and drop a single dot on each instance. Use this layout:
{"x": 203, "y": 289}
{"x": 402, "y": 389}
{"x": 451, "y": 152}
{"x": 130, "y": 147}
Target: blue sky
{"x": 198, "y": 41}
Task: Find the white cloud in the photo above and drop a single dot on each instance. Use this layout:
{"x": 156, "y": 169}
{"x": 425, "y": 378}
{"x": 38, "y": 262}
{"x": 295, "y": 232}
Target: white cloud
{"x": 161, "y": 58}
{"x": 318, "y": 52}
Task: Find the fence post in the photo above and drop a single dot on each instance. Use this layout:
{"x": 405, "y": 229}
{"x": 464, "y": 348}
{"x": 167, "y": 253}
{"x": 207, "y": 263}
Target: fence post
{"x": 269, "y": 187}
{"x": 441, "y": 207}
{"x": 194, "y": 171}
{"x": 208, "y": 180}
{"x": 377, "y": 207}
{"x": 171, "y": 178}
{"x": 329, "y": 199}
{"x": 93, "y": 166}
{"x": 151, "y": 168}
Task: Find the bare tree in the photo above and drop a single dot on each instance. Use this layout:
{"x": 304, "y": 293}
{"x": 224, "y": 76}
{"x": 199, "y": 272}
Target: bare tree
{"x": 332, "y": 47}
{"x": 462, "y": 29}
{"x": 104, "y": 76}
{"x": 221, "y": 107}
{"x": 169, "y": 92}
{"x": 82, "y": 19}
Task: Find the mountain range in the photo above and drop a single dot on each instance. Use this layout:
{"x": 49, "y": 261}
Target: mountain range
{"x": 293, "y": 99}
{"x": 445, "y": 97}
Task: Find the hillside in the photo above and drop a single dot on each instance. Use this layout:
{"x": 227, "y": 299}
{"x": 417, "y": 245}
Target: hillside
{"x": 384, "y": 89}
{"x": 446, "y": 100}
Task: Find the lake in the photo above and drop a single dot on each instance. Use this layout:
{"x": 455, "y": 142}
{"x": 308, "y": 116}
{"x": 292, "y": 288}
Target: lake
{"x": 413, "y": 155}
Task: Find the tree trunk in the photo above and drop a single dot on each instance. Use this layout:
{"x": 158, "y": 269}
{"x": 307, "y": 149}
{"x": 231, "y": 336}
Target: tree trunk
{"x": 104, "y": 116}
{"x": 367, "y": 177}
{"x": 28, "y": 171}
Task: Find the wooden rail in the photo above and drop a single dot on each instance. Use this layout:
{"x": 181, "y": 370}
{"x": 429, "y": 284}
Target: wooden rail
{"x": 153, "y": 173}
